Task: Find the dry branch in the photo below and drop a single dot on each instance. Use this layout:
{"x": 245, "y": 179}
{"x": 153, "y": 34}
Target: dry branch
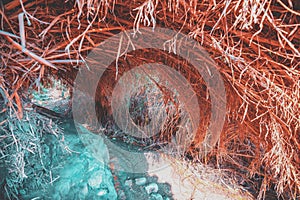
{"x": 255, "y": 44}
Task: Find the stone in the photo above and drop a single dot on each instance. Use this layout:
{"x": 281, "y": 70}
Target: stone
{"x": 95, "y": 179}
{"x": 156, "y": 196}
{"x": 128, "y": 183}
{"x": 102, "y": 192}
{"x": 140, "y": 181}
{"x": 151, "y": 188}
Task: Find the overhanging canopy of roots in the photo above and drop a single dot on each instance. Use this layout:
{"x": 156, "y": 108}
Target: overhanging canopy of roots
{"x": 254, "y": 43}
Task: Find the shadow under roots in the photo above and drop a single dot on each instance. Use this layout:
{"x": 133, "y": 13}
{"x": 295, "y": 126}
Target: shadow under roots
{"x": 148, "y": 101}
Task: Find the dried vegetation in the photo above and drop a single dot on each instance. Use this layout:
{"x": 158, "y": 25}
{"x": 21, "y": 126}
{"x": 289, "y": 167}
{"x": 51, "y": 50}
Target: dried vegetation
{"x": 255, "y": 44}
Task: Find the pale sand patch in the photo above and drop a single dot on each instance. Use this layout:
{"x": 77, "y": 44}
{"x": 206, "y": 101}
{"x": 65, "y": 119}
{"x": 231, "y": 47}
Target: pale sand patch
{"x": 187, "y": 184}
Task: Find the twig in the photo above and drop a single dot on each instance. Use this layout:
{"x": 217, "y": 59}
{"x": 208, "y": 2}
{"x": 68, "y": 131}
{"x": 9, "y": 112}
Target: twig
{"x": 31, "y": 54}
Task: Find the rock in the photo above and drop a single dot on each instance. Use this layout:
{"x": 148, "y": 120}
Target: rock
{"x": 141, "y": 181}
{"x": 156, "y": 196}
{"x": 151, "y": 188}
{"x": 128, "y": 183}
{"x": 102, "y": 192}
{"x": 95, "y": 179}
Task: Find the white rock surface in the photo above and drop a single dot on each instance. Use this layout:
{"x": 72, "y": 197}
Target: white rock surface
{"x": 140, "y": 181}
{"x": 95, "y": 179}
{"x": 128, "y": 183}
{"x": 151, "y": 188}
{"x": 102, "y": 192}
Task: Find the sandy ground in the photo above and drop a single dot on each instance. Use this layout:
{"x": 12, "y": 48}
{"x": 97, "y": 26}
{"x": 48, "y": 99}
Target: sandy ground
{"x": 185, "y": 184}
